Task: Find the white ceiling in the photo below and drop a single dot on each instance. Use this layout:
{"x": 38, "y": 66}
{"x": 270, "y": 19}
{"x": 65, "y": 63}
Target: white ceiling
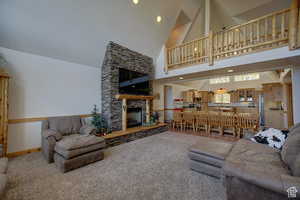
{"x": 78, "y": 30}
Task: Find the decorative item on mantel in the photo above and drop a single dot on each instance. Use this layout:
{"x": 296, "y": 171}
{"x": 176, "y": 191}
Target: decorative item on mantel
{"x": 154, "y": 119}
{"x": 99, "y": 122}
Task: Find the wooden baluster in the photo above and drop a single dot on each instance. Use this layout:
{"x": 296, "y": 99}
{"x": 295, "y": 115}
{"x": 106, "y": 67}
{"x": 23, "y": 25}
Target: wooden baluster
{"x": 258, "y": 31}
{"x": 170, "y": 56}
{"x": 244, "y": 36}
{"x": 251, "y": 33}
{"x": 283, "y": 25}
{"x": 266, "y": 29}
{"x": 181, "y": 54}
{"x": 210, "y": 46}
{"x": 274, "y": 27}
{"x": 223, "y": 43}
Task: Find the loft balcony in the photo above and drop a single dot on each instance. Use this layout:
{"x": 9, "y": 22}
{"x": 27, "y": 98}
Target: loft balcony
{"x": 275, "y": 30}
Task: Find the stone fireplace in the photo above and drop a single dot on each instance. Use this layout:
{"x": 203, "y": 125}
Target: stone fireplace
{"x": 117, "y": 57}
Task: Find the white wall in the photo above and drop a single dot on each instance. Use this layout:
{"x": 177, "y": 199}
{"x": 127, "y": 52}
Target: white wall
{"x": 158, "y": 88}
{"x": 41, "y": 87}
{"x": 296, "y": 93}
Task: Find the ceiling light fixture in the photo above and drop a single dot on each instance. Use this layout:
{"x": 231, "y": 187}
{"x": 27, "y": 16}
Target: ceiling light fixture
{"x": 135, "y": 1}
{"x": 230, "y": 71}
{"x": 196, "y": 49}
{"x": 181, "y": 78}
{"x": 158, "y": 19}
{"x": 221, "y": 91}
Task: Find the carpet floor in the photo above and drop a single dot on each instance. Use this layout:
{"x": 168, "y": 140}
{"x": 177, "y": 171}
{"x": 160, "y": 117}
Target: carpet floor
{"x": 154, "y": 167}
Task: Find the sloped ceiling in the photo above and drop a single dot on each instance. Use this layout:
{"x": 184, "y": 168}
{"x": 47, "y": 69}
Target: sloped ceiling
{"x": 79, "y": 30}
{"x": 242, "y": 11}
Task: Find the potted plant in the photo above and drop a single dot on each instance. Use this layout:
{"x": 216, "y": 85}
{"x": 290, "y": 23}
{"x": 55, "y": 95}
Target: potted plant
{"x": 99, "y": 122}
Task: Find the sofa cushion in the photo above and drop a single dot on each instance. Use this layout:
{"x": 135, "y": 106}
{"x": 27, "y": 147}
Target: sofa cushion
{"x": 256, "y": 157}
{"x": 77, "y": 141}
{"x": 3, "y": 165}
{"x": 68, "y": 154}
{"x": 65, "y": 125}
{"x": 3, "y": 182}
{"x": 212, "y": 148}
{"x": 291, "y": 150}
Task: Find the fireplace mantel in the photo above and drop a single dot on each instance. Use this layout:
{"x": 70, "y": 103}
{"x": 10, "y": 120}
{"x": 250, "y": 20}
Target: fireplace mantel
{"x": 136, "y": 97}
{"x": 124, "y": 98}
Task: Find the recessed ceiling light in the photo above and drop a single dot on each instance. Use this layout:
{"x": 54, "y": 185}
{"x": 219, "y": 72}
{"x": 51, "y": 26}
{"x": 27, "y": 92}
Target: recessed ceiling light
{"x": 158, "y": 19}
{"x": 230, "y": 71}
{"x": 181, "y": 78}
{"x": 135, "y": 1}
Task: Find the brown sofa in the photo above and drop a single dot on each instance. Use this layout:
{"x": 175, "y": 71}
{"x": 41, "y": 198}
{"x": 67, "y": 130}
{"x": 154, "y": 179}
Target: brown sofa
{"x": 68, "y": 142}
{"x": 251, "y": 171}
{"x": 255, "y": 171}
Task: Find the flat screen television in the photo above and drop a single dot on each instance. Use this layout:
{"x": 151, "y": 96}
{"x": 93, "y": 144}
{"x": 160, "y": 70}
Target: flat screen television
{"x": 135, "y": 83}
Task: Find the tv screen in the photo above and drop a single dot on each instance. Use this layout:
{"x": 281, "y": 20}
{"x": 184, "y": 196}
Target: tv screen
{"x": 131, "y": 82}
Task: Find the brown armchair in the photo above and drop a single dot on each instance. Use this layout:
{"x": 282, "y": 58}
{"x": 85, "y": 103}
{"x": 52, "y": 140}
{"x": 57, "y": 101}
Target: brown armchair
{"x": 56, "y": 128}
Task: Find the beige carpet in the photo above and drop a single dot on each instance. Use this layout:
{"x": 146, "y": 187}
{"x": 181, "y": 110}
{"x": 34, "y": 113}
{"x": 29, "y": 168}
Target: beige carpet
{"x": 155, "y": 167}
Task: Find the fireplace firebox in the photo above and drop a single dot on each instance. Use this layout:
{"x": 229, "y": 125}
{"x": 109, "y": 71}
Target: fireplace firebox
{"x": 134, "y": 117}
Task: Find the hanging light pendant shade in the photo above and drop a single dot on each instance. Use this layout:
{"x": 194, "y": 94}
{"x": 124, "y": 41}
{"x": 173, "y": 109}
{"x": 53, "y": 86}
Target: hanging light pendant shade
{"x": 221, "y": 91}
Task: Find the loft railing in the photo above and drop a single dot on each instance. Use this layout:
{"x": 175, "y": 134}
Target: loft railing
{"x": 264, "y": 33}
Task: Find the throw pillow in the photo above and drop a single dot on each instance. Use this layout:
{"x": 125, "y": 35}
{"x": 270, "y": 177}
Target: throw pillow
{"x": 272, "y": 137}
{"x": 87, "y": 130}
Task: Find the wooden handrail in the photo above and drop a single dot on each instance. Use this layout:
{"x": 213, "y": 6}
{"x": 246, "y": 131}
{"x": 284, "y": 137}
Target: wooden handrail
{"x": 260, "y": 34}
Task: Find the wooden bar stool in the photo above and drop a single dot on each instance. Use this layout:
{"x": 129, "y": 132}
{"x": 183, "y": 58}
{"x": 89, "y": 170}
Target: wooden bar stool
{"x": 214, "y": 122}
{"x": 188, "y": 121}
{"x": 177, "y": 120}
{"x": 201, "y": 121}
{"x": 228, "y": 123}
{"x": 246, "y": 121}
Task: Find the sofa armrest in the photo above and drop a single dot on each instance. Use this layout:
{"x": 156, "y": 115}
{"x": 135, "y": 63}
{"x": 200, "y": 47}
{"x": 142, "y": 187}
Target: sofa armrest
{"x": 51, "y": 133}
{"x": 278, "y": 183}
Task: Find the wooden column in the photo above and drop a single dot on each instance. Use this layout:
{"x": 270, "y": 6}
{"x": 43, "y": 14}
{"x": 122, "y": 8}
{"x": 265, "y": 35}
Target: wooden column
{"x": 166, "y": 68}
{"x": 293, "y": 24}
{"x": 148, "y": 110}
{"x": 124, "y": 114}
{"x": 4, "y": 78}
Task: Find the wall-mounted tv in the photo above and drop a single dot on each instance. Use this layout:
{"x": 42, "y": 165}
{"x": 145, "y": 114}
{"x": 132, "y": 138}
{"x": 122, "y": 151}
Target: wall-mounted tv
{"x": 132, "y": 82}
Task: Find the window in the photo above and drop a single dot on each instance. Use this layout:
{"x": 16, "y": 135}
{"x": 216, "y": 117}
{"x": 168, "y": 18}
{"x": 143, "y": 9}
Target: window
{"x": 222, "y": 98}
{"x": 224, "y": 79}
{"x": 247, "y": 77}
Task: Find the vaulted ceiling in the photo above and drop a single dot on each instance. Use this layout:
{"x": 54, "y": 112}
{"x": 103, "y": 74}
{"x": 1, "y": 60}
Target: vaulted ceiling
{"x": 79, "y": 30}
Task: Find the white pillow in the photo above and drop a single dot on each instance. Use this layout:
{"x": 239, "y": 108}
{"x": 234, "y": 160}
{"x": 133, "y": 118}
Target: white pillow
{"x": 272, "y": 137}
